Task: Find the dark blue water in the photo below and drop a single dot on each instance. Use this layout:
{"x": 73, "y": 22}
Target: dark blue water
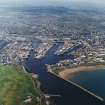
{"x": 93, "y": 81}
{"x": 51, "y": 84}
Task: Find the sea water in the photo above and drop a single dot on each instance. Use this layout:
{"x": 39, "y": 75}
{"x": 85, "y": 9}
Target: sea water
{"x": 94, "y": 81}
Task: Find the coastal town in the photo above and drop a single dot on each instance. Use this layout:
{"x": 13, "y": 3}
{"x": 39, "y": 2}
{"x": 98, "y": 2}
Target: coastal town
{"x": 47, "y": 46}
{"x": 31, "y": 32}
{"x": 85, "y": 56}
{"x": 88, "y": 52}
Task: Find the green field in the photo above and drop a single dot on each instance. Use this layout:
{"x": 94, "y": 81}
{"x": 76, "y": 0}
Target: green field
{"x": 15, "y": 86}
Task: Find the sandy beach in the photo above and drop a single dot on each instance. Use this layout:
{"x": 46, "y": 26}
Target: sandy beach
{"x": 67, "y": 73}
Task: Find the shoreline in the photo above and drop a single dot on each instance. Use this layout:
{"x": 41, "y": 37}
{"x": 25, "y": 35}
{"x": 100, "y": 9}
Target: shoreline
{"x": 68, "y": 73}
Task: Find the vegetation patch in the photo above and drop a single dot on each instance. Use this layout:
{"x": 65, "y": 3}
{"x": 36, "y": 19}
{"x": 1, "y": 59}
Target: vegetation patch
{"x": 16, "y": 86}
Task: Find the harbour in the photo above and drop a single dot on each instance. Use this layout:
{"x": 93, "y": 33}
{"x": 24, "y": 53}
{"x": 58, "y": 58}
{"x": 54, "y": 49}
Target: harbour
{"x": 51, "y": 84}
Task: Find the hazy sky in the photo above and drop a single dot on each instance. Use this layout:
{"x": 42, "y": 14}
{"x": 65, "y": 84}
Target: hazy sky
{"x": 42, "y": 2}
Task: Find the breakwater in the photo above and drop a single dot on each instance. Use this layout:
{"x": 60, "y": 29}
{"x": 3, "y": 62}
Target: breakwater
{"x": 71, "y": 93}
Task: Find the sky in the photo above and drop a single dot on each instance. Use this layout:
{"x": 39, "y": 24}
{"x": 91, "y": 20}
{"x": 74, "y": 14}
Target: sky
{"x": 47, "y": 2}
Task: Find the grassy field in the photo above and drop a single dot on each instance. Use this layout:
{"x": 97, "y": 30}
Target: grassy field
{"x": 15, "y": 86}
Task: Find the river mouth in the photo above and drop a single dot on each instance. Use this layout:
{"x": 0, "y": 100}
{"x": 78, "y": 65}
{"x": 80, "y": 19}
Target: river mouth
{"x": 94, "y": 81}
{"x": 52, "y": 84}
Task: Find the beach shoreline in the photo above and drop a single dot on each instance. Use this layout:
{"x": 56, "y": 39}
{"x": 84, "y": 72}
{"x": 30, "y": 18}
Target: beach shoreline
{"x": 68, "y": 73}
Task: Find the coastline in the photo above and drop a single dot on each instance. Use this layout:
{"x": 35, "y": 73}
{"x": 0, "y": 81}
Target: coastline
{"x": 68, "y": 73}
